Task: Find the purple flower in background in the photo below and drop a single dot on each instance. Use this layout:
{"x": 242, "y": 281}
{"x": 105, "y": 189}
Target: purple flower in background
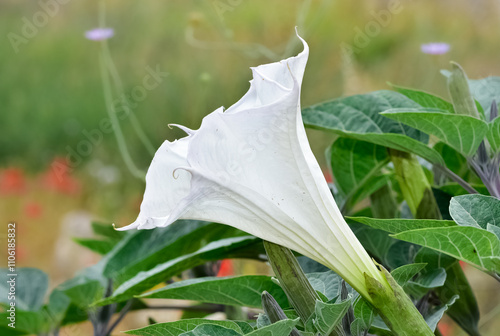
{"x": 99, "y": 34}
{"x": 435, "y": 48}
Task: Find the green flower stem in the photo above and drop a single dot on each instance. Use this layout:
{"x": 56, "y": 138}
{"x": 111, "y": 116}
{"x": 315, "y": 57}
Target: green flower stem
{"x": 294, "y": 282}
{"x": 395, "y": 307}
{"x": 410, "y": 174}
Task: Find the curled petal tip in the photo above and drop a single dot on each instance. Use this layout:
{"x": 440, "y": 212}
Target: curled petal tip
{"x": 186, "y": 130}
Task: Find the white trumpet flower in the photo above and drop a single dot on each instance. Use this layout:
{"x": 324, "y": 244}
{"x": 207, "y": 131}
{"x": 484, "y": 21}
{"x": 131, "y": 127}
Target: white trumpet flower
{"x": 251, "y": 167}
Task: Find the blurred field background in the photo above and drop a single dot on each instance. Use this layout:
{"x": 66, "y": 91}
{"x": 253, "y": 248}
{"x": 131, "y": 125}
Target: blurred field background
{"x": 51, "y": 92}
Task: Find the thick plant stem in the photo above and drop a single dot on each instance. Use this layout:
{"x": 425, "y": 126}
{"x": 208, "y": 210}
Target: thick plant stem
{"x": 294, "y": 282}
{"x": 396, "y": 309}
{"x": 465, "y": 311}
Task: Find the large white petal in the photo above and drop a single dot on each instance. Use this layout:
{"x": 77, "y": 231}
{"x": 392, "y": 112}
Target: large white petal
{"x": 166, "y": 186}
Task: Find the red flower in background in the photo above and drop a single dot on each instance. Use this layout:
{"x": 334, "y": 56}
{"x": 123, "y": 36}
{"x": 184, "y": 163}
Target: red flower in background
{"x": 12, "y": 181}
{"x": 59, "y": 178}
{"x": 226, "y": 268}
{"x": 33, "y": 210}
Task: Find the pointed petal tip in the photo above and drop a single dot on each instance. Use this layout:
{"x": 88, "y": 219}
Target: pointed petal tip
{"x": 186, "y": 130}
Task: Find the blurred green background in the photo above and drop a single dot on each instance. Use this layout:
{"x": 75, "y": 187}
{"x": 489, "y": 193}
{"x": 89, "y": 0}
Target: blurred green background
{"x": 51, "y": 90}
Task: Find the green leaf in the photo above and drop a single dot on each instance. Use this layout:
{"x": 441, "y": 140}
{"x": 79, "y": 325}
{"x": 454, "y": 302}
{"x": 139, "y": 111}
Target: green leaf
{"x": 328, "y": 315}
{"x": 494, "y": 229}
{"x": 405, "y": 273}
{"x": 475, "y": 210}
{"x": 211, "y": 329}
{"x": 26, "y": 323}
{"x": 280, "y": 328}
{"x": 472, "y": 245}
{"x": 435, "y": 315}
{"x": 364, "y": 312}
{"x": 328, "y": 283}
{"x": 358, "y": 117}
{"x": 83, "y": 292}
{"x": 425, "y": 99}
{"x": 465, "y": 311}
{"x": 147, "y": 279}
{"x": 493, "y": 135}
{"x": 182, "y": 326}
{"x": 462, "y": 132}
{"x": 237, "y": 291}
{"x": 376, "y": 242}
{"x": 354, "y": 163}
{"x": 397, "y": 225}
{"x": 140, "y": 250}
{"x": 96, "y": 245}
{"x": 426, "y": 281}
{"x": 485, "y": 91}
{"x": 31, "y": 284}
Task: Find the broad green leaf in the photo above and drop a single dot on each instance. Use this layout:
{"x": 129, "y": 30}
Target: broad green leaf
{"x": 435, "y": 315}
{"x": 358, "y": 117}
{"x": 472, "y": 245}
{"x": 83, "y": 291}
{"x": 475, "y": 210}
{"x": 426, "y": 281}
{"x": 397, "y": 225}
{"x": 493, "y": 135}
{"x": 237, "y": 291}
{"x": 147, "y": 279}
{"x": 425, "y": 99}
{"x": 182, "y": 326}
{"x": 465, "y": 310}
{"x": 211, "y": 329}
{"x": 354, "y": 163}
{"x": 485, "y": 91}
{"x": 142, "y": 245}
{"x": 364, "y": 312}
{"x": 57, "y": 306}
{"x": 328, "y": 315}
{"x": 96, "y": 245}
{"x": 328, "y": 283}
{"x": 188, "y": 238}
{"x": 494, "y": 229}
{"x": 462, "y": 132}
{"x": 376, "y": 242}
{"x": 26, "y": 323}
{"x": 280, "y": 328}
{"x": 30, "y": 286}
{"x": 455, "y": 161}
{"x": 405, "y": 273}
